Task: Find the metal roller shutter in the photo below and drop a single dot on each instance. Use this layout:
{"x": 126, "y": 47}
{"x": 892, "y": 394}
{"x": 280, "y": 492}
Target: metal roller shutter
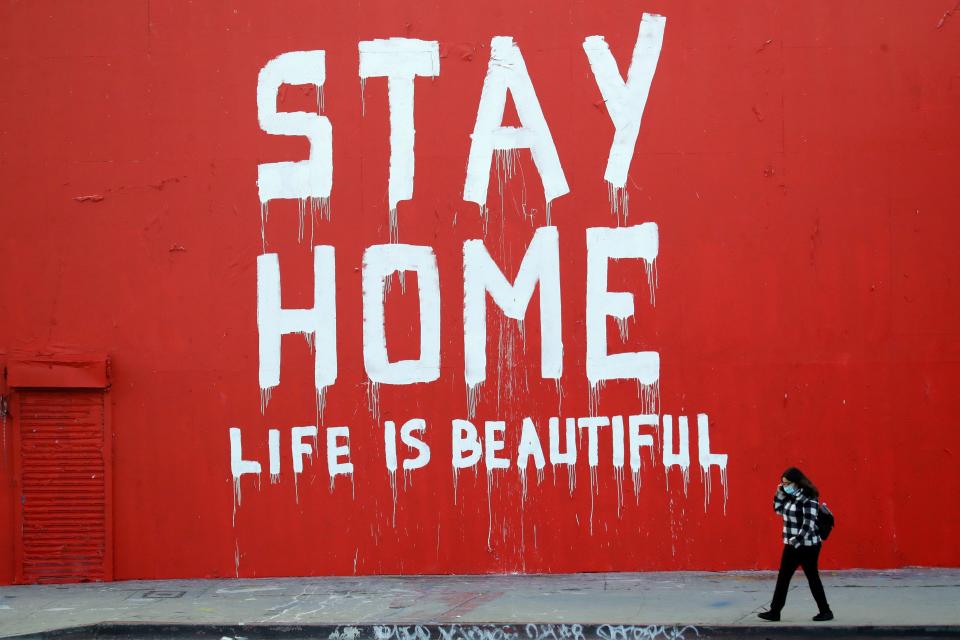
{"x": 63, "y": 473}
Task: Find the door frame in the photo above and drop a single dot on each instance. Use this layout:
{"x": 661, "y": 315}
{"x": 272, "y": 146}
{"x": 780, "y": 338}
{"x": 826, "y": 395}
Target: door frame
{"x": 45, "y": 371}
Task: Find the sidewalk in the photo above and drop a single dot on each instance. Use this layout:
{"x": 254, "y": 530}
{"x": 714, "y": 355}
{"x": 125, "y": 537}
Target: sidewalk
{"x": 611, "y": 606}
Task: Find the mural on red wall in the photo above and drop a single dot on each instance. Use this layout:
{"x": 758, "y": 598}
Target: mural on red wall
{"x": 479, "y": 443}
{"x": 496, "y": 287}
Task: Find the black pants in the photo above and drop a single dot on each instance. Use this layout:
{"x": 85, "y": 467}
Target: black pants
{"x": 805, "y": 557}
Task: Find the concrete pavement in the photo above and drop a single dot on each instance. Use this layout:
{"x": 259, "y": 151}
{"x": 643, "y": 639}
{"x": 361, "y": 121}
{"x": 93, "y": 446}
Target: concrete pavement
{"x": 610, "y": 606}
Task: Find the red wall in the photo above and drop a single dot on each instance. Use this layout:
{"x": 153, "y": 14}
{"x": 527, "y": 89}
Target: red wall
{"x": 799, "y": 158}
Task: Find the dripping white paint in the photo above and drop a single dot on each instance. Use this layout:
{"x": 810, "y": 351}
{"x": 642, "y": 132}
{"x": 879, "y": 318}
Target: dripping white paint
{"x": 482, "y": 280}
{"x": 400, "y": 61}
{"x": 474, "y": 447}
{"x": 625, "y": 437}
{"x": 476, "y": 443}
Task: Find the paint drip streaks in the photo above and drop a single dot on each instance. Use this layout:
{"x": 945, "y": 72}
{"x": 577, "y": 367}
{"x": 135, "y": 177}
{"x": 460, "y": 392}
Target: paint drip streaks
{"x": 322, "y": 206}
{"x": 593, "y": 397}
{"x": 685, "y": 472}
{"x": 309, "y": 338}
{"x": 506, "y": 161}
{"x": 237, "y": 498}
{"x": 593, "y": 492}
{"x": 652, "y": 280}
{"x": 388, "y": 283}
{"x": 524, "y": 211}
{"x": 265, "y": 394}
{"x": 637, "y": 483}
{"x": 619, "y": 202}
{"x": 707, "y": 488}
{"x": 649, "y": 396}
{"x": 623, "y": 326}
{"x": 618, "y": 479}
{"x": 353, "y": 487}
{"x": 301, "y": 214}
{"x": 321, "y": 404}
{"x": 393, "y": 493}
{"x": 489, "y": 509}
{"x": 508, "y": 382}
{"x": 296, "y": 488}
{"x": 311, "y": 207}
{"x": 455, "y": 478}
{"x": 523, "y": 513}
{"x": 485, "y": 215}
{"x": 392, "y": 223}
{"x": 473, "y": 394}
{"x": 264, "y": 214}
{"x": 559, "y": 396}
{"x": 373, "y": 400}
{"x": 363, "y": 100}
{"x": 635, "y": 473}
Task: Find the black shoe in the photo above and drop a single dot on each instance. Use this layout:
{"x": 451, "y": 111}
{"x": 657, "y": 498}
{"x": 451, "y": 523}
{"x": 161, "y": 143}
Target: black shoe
{"x": 772, "y": 616}
{"x": 823, "y": 616}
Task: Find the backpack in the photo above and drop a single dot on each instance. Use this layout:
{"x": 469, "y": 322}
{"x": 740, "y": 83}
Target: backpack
{"x": 825, "y": 521}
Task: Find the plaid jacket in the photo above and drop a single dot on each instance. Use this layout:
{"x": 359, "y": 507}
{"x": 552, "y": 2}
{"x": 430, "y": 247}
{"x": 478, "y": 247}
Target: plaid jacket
{"x": 799, "y": 518}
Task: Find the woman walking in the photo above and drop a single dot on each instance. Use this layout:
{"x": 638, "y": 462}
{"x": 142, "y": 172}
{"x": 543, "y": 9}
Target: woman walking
{"x": 797, "y": 501}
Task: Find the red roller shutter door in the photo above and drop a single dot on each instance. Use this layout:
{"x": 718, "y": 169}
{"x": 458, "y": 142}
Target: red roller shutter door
{"x": 62, "y": 469}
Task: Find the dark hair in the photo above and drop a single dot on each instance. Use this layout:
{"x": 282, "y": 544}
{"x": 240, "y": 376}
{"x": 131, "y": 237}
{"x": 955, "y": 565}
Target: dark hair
{"x": 798, "y": 478}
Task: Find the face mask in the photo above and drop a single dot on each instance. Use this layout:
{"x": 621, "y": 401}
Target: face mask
{"x": 790, "y": 489}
